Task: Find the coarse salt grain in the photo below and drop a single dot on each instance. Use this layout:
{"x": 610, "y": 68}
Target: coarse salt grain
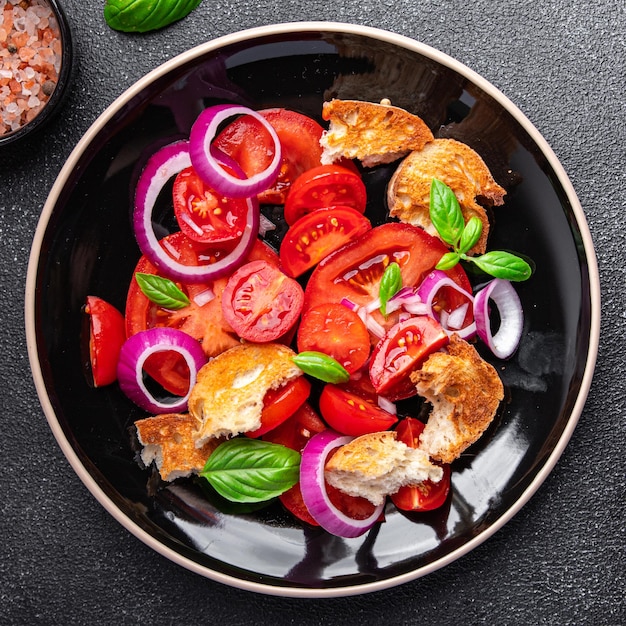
{"x": 30, "y": 60}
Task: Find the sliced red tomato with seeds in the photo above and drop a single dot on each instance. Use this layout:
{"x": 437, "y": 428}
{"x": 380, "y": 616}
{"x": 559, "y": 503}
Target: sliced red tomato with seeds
{"x": 202, "y": 319}
{"x": 315, "y": 235}
{"x": 322, "y": 187}
{"x": 205, "y": 215}
{"x": 107, "y": 333}
{"x": 337, "y": 331}
{"x": 354, "y": 271}
{"x": 260, "y": 302}
{"x": 428, "y": 495}
{"x": 248, "y": 142}
{"x": 350, "y": 414}
{"x": 400, "y": 352}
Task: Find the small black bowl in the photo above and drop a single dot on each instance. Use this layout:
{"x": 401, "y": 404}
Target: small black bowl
{"x": 63, "y": 82}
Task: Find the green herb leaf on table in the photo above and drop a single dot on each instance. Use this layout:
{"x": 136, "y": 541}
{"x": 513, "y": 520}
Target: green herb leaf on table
{"x": 321, "y": 366}
{"x": 140, "y": 16}
{"x": 390, "y": 284}
{"x": 251, "y": 470}
{"x": 161, "y": 291}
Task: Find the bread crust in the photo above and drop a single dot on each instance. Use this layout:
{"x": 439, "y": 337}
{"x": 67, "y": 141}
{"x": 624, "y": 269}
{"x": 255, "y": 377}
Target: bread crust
{"x": 465, "y": 392}
{"x": 227, "y": 398}
{"x": 459, "y": 167}
{"x": 169, "y": 440}
{"x": 376, "y": 465}
{"x": 373, "y": 133}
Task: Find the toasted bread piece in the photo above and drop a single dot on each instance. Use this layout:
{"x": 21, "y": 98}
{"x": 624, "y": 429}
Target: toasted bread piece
{"x": 457, "y": 165}
{"x": 376, "y": 465}
{"x": 373, "y": 133}
{"x": 169, "y": 441}
{"x": 465, "y": 392}
{"x": 227, "y": 398}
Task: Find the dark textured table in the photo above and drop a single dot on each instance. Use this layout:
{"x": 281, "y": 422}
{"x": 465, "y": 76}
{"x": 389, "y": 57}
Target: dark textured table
{"x": 561, "y": 560}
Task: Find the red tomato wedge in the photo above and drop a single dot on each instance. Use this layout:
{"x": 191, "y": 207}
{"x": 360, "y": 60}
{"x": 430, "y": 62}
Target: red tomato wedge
{"x": 260, "y": 302}
{"x": 337, "y": 331}
{"x": 294, "y": 432}
{"x": 428, "y": 495}
{"x": 205, "y": 215}
{"x": 315, "y": 235}
{"x": 354, "y": 271}
{"x": 400, "y": 352}
{"x": 249, "y": 143}
{"x": 323, "y": 187}
{"x": 280, "y": 404}
{"x": 107, "y": 333}
{"x": 202, "y": 319}
{"x": 350, "y": 414}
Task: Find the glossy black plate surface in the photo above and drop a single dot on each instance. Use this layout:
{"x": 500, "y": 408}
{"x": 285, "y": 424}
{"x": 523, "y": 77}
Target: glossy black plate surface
{"x": 84, "y": 245}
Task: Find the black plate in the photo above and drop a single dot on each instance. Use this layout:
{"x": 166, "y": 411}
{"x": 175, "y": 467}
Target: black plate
{"x": 84, "y": 245}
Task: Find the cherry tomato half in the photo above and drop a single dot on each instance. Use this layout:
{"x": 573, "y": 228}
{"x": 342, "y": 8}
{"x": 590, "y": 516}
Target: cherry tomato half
{"x": 354, "y": 271}
{"x": 280, "y": 404}
{"x": 202, "y": 318}
{"x": 203, "y": 214}
{"x": 350, "y": 414}
{"x": 260, "y": 302}
{"x": 428, "y": 495}
{"x": 337, "y": 331}
{"x": 317, "y": 234}
{"x": 400, "y": 352}
{"x": 249, "y": 143}
{"x": 324, "y": 187}
{"x": 107, "y": 333}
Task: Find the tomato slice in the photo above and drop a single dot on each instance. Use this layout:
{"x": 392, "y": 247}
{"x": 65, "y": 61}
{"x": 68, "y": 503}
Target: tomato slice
{"x": 354, "y": 271}
{"x": 428, "y": 495}
{"x": 337, "y": 331}
{"x": 294, "y": 433}
{"x": 260, "y": 302}
{"x": 280, "y": 404}
{"x": 107, "y": 333}
{"x": 249, "y": 143}
{"x": 315, "y": 235}
{"x": 351, "y": 414}
{"x": 205, "y": 215}
{"x": 322, "y": 187}
{"x": 202, "y": 319}
{"x": 400, "y": 352}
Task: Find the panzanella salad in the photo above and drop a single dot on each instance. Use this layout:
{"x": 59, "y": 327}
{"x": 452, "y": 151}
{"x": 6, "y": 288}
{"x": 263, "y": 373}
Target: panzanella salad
{"x": 336, "y": 371}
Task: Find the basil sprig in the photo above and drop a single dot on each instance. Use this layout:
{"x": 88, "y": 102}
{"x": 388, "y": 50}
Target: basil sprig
{"x": 321, "y": 366}
{"x": 447, "y": 218}
{"x": 140, "y": 16}
{"x": 251, "y": 470}
{"x": 161, "y": 291}
{"x": 390, "y": 284}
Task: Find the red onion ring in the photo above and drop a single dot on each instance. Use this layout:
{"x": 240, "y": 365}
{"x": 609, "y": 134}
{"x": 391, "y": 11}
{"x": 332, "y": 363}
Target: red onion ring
{"x": 502, "y": 293}
{"x": 427, "y": 292}
{"x": 137, "y": 348}
{"x": 313, "y": 488}
{"x": 209, "y": 168}
{"x": 160, "y": 168}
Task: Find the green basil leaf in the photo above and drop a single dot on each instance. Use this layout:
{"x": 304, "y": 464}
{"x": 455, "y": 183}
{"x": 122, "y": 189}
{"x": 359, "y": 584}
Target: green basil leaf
{"x": 503, "y": 265}
{"x": 251, "y": 470}
{"x": 448, "y": 261}
{"x": 140, "y": 16}
{"x": 445, "y": 212}
{"x": 471, "y": 234}
{"x": 321, "y": 366}
{"x": 161, "y": 291}
{"x": 390, "y": 284}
